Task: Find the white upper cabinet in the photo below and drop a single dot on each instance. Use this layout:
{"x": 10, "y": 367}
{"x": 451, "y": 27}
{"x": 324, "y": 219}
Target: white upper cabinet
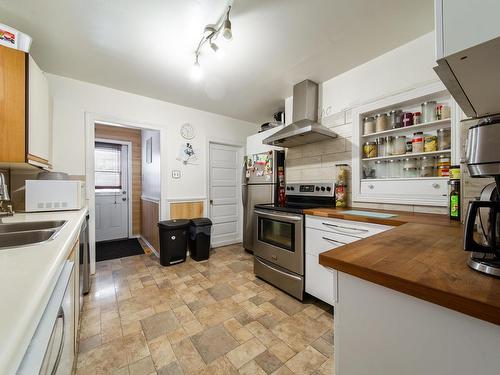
{"x": 461, "y": 24}
{"x": 39, "y": 117}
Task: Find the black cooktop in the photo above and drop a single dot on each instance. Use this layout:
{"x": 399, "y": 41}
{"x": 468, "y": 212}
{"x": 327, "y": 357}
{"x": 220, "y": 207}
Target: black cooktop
{"x": 294, "y": 207}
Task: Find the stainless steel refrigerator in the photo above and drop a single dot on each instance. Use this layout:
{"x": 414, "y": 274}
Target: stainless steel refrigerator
{"x": 262, "y": 175}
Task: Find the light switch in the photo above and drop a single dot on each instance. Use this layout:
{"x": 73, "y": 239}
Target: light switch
{"x": 176, "y": 174}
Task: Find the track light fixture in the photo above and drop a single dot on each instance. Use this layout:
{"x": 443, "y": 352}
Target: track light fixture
{"x": 210, "y": 34}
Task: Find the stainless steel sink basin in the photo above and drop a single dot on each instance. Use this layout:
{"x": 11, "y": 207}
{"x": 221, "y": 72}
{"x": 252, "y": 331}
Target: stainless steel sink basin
{"x": 30, "y": 226}
{"x": 25, "y": 238}
{"x": 28, "y": 233}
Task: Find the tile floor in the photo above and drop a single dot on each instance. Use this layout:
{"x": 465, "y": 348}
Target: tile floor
{"x": 211, "y": 317}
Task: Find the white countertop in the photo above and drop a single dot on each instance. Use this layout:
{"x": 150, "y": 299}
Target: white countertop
{"x": 28, "y": 275}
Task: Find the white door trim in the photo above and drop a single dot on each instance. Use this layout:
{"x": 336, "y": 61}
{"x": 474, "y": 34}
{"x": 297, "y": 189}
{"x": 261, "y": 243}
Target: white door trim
{"x": 241, "y": 149}
{"x": 129, "y": 178}
{"x": 90, "y": 119}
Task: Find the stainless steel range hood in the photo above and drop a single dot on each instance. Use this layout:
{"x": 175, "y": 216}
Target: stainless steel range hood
{"x": 304, "y": 128}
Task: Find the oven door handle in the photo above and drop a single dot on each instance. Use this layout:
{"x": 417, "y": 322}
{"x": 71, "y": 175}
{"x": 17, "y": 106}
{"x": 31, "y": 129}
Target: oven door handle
{"x": 281, "y": 215}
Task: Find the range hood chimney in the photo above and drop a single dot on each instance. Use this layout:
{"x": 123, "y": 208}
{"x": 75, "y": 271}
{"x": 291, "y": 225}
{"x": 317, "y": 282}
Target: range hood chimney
{"x": 305, "y": 128}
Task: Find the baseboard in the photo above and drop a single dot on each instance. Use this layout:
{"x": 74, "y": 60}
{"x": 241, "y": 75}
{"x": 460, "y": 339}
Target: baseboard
{"x": 225, "y": 243}
{"x": 150, "y": 246}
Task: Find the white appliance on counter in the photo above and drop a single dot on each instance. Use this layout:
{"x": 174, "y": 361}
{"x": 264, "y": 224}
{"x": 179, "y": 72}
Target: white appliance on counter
{"x": 54, "y": 195}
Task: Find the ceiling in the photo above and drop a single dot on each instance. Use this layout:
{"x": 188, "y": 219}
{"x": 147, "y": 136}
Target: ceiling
{"x": 147, "y": 47}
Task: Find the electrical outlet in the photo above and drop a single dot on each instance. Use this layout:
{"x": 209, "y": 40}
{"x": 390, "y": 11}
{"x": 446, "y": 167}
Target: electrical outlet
{"x": 176, "y": 174}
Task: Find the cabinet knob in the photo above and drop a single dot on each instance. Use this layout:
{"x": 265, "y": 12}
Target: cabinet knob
{"x": 435, "y": 185}
{"x": 371, "y": 187}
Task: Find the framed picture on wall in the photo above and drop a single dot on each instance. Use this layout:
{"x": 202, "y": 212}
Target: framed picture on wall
{"x": 149, "y": 150}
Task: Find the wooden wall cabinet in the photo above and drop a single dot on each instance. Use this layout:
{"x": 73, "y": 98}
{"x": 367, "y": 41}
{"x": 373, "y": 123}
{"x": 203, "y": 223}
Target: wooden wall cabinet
{"x": 25, "y": 111}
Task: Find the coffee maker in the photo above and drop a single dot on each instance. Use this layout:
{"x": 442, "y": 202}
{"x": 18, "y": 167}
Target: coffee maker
{"x": 483, "y": 160}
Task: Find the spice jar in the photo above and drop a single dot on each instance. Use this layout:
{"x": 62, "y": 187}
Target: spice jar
{"x": 407, "y": 119}
{"x": 429, "y": 111}
{"x": 410, "y": 172}
{"x": 417, "y": 118}
{"x": 389, "y": 146}
{"x": 409, "y": 163}
{"x": 381, "y": 122}
{"x": 417, "y": 143}
{"x": 381, "y": 147}
{"x": 444, "y": 139}
{"x": 443, "y": 171}
{"x": 394, "y": 168}
{"x": 368, "y": 125}
{"x": 443, "y": 161}
{"x": 399, "y": 145}
{"x": 428, "y": 161}
{"x": 408, "y": 147}
{"x": 430, "y": 143}
{"x": 370, "y": 150}
{"x": 380, "y": 169}
{"x": 426, "y": 171}
{"x": 395, "y": 119}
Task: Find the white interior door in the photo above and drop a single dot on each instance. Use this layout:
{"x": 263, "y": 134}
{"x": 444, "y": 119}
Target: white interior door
{"x": 225, "y": 194}
{"x": 111, "y": 202}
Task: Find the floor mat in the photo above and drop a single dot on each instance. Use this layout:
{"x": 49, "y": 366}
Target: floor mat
{"x": 117, "y": 249}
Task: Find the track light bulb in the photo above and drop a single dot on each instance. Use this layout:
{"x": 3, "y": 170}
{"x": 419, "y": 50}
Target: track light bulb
{"x": 214, "y": 47}
{"x": 196, "y": 72}
{"x": 227, "y": 33}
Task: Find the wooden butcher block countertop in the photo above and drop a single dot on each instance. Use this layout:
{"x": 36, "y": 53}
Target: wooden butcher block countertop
{"x": 421, "y": 256}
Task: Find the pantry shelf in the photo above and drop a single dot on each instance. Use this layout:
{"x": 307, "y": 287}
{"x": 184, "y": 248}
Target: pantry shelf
{"x": 409, "y": 155}
{"x": 427, "y": 126}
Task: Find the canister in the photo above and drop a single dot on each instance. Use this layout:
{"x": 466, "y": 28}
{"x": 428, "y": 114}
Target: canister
{"x": 417, "y": 142}
{"x": 444, "y": 139}
{"x": 429, "y": 111}
{"x": 370, "y": 150}
{"x": 407, "y": 118}
{"x": 399, "y": 145}
{"x": 430, "y": 143}
{"x": 368, "y": 125}
{"x": 381, "y": 122}
{"x": 395, "y": 119}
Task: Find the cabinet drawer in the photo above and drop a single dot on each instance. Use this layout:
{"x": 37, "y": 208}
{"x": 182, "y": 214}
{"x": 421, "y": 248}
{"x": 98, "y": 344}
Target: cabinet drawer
{"x": 319, "y": 241}
{"x": 321, "y": 282}
{"x": 345, "y": 228}
{"x": 416, "y": 189}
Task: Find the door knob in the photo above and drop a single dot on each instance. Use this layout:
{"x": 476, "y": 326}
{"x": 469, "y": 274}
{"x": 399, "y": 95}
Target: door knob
{"x": 211, "y": 201}
{"x": 124, "y": 199}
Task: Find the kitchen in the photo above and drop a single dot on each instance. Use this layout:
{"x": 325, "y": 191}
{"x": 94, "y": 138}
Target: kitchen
{"x": 363, "y": 270}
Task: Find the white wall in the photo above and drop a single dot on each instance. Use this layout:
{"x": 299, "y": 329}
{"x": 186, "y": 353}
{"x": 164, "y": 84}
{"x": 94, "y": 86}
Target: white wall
{"x": 151, "y": 171}
{"x": 73, "y": 99}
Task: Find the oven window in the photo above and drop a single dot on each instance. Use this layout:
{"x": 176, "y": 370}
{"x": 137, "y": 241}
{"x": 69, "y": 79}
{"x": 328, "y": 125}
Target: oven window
{"x": 277, "y": 233}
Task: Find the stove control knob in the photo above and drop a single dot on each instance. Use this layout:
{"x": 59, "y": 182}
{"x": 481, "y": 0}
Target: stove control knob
{"x": 317, "y": 188}
{"x": 292, "y": 188}
{"x": 288, "y": 188}
{"x": 322, "y": 188}
{"x": 328, "y": 188}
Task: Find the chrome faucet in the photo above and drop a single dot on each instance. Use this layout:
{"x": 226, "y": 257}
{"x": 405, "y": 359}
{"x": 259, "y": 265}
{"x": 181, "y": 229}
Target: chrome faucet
{"x": 4, "y": 196}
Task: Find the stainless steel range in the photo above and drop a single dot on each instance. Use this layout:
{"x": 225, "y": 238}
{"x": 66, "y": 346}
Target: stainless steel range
{"x": 279, "y": 235}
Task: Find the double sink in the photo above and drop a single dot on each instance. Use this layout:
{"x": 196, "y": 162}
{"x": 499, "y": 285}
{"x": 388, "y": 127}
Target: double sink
{"x": 28, "y": 233}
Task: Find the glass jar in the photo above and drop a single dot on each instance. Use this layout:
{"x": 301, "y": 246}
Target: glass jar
{"x": 394, "y": 168}
{"x": 341, "y": 174}
{"x": 429, "y": 111}
{"x": 417, "y": 118}
{"x": 408, "y": 147}
{"x": 389, "y": 146}
{"x": 368, "y": 170}
{"x": 399, "y": 145}
{"x": 380, "y": 169}
{"x": 426, "y": 171}
{"x": 381, "y": 122}
{"x": 428, "y": 161}
{"x": 443, "y": 171}
{"x": 417, "y": 142}
{"x": 395, "y": 119}
{"x": 410, "y": 172}
{"x": 443, "y": 161}
{"x": 430, "y": 143}
{"x": 381, "y": 147}
{"x": 444, "y": 139}
{"x": 455, "y": 172}
{"x": 370, "y": 150}
{"x": 409, "y": 163}
{"x": 368, "y": 125}
{"x": 407, "y": 119}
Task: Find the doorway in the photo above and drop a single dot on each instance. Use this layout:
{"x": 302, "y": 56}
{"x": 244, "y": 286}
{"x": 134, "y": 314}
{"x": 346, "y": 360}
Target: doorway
{"x": 112, "y": 190}
{"x": 225, "y": 208}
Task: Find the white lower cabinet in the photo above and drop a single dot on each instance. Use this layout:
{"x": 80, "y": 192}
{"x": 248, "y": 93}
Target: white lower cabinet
{"x": 324, "y": 234}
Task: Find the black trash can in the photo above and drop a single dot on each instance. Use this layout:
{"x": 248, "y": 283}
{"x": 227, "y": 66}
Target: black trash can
{"x": 199, "y": 238}
{"x": 173, "y": 241}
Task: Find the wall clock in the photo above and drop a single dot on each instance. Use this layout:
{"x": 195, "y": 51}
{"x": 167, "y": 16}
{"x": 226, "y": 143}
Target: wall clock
{"x": 187, "y": 131}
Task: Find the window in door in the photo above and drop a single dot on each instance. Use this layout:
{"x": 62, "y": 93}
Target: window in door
{"x": 108, "y": 166}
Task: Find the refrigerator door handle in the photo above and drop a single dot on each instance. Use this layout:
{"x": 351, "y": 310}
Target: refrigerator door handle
{"x": 244, "y": 193}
